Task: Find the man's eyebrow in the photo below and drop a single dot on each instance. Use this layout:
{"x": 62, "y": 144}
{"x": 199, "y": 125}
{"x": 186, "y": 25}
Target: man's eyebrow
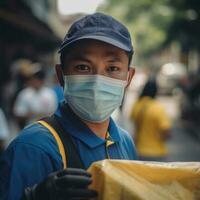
{"x": 112, "y": 57}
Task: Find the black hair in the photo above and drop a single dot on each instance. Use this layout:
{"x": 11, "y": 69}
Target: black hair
{"x": 150, "y": 89}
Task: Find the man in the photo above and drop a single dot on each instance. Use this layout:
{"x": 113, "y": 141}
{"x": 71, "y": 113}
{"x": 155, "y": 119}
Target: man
{"x": 94, "y": 72}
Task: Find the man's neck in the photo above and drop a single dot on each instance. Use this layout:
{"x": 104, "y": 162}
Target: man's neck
{"x": 100, "y": 129}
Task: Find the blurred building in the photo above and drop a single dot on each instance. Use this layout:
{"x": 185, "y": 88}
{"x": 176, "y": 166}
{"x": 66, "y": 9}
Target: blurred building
{"x": 28, "y": 29}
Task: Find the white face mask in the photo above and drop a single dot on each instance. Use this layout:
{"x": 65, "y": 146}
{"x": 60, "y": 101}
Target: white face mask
{"x": 93, "y": 97}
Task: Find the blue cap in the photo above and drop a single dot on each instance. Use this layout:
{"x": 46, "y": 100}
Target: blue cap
{"x": 100, "y": 27}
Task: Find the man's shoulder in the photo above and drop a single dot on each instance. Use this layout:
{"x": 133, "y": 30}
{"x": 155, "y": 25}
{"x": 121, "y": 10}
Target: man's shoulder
{"x": 124, "y": 134}
{"x": 117, "y": 130}
{"x": 36, "y": 136}
{"x": 128, "y": 143}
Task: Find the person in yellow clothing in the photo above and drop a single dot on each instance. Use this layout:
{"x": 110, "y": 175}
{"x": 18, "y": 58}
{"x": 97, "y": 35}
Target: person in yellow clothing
{"x": 152, "y": 125}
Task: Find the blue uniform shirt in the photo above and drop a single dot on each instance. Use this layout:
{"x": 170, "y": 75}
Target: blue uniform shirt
{"x": 34, "y": 153}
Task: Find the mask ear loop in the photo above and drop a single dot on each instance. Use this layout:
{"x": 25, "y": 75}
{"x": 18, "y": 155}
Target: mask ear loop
{"x": 127, "y": 78}
{"x": 65, "y": 82}
{"x": 129, "y": 75}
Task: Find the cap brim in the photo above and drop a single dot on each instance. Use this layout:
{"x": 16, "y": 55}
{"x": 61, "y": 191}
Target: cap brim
{"x": 105, "y": 39}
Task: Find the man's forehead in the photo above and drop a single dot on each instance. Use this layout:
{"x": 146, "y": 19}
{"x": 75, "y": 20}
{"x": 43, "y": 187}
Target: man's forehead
{"x": 83, "y": 48}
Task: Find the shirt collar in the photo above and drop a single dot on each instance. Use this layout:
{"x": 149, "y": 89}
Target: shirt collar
{"x": 74, "y": 126}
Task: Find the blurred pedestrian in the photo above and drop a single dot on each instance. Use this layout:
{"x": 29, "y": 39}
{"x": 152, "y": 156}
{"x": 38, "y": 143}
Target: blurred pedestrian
{"x": 4, "y": 131}
{"x": 36, "y": 100}
{"x": 152, "y": 124}
{"x": 21, "y": 70}
{"x": 58, "y": 89}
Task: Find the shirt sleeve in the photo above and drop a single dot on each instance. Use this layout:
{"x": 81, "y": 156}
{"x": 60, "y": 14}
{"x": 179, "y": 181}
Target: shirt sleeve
{"x": 22, "y": 165}
{"x": 21, "y": 107}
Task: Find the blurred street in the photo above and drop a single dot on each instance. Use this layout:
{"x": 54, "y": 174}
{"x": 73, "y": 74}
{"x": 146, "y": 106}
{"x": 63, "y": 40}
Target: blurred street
{"x": 183, "y": 146}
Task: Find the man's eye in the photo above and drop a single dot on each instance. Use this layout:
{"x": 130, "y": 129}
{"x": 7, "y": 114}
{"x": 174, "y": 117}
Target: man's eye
{"x": 83, "y": 68}
{"x": 113, "y": 69}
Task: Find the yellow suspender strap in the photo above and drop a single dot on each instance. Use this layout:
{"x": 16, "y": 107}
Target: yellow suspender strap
{"x": 58, "y": 140}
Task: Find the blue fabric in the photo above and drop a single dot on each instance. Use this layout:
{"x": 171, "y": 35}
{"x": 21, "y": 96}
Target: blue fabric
{"x": 34, "y": 153}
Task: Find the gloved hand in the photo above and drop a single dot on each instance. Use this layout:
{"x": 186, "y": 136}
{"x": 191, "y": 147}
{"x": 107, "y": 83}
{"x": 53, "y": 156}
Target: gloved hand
{"x": 67, "y": 184}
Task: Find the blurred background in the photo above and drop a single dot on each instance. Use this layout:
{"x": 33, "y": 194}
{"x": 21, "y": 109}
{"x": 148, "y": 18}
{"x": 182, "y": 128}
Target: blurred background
{"x": 167, "y": 47}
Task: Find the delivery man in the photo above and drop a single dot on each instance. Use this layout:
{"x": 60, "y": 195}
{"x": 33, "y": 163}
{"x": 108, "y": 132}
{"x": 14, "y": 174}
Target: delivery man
{"x": 94, "y": 72}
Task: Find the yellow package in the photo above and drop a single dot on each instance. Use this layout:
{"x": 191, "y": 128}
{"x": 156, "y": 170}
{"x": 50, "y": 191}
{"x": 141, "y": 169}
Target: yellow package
{"x": 133, "y": 180}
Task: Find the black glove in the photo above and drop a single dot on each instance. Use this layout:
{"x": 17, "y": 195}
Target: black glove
{"x": 67, "y": 184}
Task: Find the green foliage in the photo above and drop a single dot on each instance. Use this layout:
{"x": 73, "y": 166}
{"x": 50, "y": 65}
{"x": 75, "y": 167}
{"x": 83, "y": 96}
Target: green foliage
{"x": 155, "y": 23}
{"x": 185, "y": 27}
{"x": 147, "y": 21}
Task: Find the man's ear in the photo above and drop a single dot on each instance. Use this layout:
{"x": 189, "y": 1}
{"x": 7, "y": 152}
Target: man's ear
{"x": 59, "y": 74}
{"x": 131, "y": 73}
